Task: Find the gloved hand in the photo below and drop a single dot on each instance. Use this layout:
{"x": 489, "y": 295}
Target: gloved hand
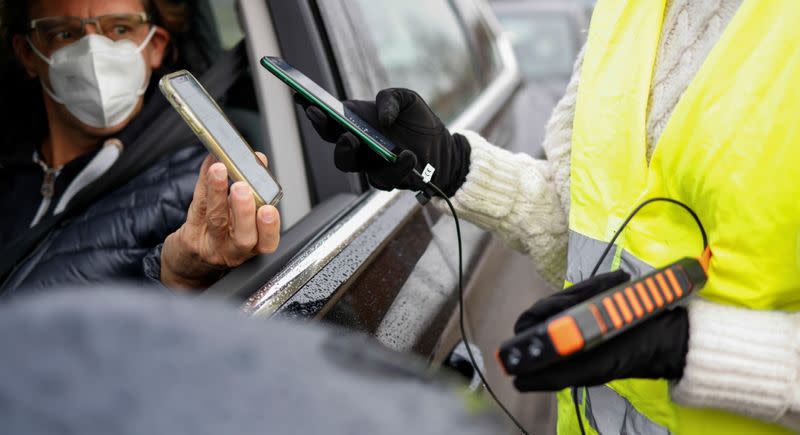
{"x": 405, "y": 119}
{"x": 654, "y": 349}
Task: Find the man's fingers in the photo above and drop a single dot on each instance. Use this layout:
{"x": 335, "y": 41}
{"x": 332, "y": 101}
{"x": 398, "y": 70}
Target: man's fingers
{"x": 269, "y": 229}
{"x": 207, "y": 162}
{"x": 217, "y": 201}
{"x": 197, "y": 209}
{"x": 244, "y": 234}
{"x": 200, "y": 189}
{"x": 263, "y": 158}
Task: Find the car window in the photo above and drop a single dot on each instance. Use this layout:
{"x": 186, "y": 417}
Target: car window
{"x": 543, "y": 42}
{"x": 227, "y": 22}
{"x": 422, "y": 46}
{"x": 480, "y": 35}
{"x": 216, "y": 24}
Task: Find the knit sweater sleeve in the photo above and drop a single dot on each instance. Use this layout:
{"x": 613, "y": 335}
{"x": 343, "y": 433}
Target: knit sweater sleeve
{"x": 522, "y": 199}
{"x": 743, "y": 361}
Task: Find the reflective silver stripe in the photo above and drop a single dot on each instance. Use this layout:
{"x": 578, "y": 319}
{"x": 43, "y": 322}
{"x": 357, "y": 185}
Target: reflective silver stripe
{"x": 609, "y": 413}
{"x": 634, "y": 266}
{"x": 606, "y": 411}
{"x": 583, "y": 254}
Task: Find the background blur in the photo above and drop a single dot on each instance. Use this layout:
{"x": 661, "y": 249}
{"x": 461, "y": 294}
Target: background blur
{"x": 547, "y": 36}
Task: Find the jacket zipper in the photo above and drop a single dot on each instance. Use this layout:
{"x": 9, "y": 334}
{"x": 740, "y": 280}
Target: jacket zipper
{"x": 47, "y": 189}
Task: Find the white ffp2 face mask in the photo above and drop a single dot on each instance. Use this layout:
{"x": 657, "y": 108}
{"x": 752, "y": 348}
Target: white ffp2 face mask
{"x": 98, "y": 80}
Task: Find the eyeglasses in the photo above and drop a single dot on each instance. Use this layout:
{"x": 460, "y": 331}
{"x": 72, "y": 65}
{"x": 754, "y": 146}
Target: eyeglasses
{"x": 56, "y": 32}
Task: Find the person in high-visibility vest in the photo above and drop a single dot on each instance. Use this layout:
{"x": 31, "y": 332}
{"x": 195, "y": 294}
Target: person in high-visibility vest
{"x": 694, "y": 100}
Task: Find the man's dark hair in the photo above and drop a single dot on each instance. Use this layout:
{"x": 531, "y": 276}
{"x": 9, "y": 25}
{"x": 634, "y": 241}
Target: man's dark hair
{"x": 13, "y": 20}
{"x": 22, "y": 116}
{"x": 23, "y": 120}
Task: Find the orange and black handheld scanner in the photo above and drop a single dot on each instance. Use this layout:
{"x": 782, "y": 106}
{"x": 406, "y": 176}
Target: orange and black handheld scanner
{"x": 604, "y": 316}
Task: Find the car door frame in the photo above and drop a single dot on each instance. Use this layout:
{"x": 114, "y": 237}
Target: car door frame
{"x": 376, "y": 208}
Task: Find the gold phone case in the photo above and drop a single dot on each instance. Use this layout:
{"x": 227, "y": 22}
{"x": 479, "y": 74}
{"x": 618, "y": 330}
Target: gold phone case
{"x": 208, "y": 139}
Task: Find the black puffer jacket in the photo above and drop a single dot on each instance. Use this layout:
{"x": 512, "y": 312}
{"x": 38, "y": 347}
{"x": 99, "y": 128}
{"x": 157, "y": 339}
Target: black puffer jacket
{"x": 119, "y": 236}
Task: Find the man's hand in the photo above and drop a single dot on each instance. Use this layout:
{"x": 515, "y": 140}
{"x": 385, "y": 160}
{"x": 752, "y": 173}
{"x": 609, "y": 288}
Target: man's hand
{"x": 222, "y": 231}
{"x": 653, "y": 349}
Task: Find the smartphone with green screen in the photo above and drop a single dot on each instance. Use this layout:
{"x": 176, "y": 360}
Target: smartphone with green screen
{"x": 317, "y": 96}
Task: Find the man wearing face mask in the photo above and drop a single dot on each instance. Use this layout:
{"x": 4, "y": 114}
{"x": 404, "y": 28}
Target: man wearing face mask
{"x": 93, "y": 61}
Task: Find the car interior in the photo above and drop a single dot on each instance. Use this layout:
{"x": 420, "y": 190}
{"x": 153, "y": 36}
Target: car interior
{"x": 219, "y": 19}
{"x": 203, "y": 29}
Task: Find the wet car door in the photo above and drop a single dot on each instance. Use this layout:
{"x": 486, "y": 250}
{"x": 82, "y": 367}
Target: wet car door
{"x": 447, "y": 51}
{"x": 373, "y": 261}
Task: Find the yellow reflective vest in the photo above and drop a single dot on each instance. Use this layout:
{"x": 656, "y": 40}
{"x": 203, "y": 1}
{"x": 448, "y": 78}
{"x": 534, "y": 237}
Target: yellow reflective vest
{"x": 731, "y": 151}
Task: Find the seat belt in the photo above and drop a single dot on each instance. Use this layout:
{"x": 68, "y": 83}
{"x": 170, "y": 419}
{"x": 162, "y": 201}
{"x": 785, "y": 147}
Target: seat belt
{"x": 156, "y": 124}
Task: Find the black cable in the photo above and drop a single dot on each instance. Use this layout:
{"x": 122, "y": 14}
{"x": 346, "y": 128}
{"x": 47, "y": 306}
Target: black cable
{"x": 578, "y": 409}
{"x": 637, "y": 210}
{"x": 461, "y": 321}
{"x": 608, "y": 249}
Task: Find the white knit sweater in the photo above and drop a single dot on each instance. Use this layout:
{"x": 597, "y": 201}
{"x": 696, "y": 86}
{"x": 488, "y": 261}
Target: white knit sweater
{"x": 739, "y": 360}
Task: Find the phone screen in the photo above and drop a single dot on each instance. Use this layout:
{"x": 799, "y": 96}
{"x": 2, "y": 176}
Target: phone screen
{"x": 309, "y": 85}
{"x": 304, "y": 85}
{"x": 228, "y": 138}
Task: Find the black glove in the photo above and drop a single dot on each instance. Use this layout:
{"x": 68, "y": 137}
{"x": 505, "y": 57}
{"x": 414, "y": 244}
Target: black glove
{"x": 405, "y": 119}
{"x": 654, "y": 349}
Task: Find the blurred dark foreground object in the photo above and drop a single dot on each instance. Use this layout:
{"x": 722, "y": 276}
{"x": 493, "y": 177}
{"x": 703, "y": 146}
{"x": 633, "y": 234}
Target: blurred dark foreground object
{"x": 107, "y": 361}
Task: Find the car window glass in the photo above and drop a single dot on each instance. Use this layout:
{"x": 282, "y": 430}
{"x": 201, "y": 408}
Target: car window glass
{"x": 544, "y": 43}
{"x": 481, "y": 36}
{"x": 216, "y": 24}
{"x": 227, "y": 22}
{"x": 422, "y": 46}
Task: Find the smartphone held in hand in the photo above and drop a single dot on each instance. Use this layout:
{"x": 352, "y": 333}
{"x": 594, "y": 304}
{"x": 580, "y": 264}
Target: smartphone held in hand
{"x": 314, "y": 94}
{"x": 219, "y": 136}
